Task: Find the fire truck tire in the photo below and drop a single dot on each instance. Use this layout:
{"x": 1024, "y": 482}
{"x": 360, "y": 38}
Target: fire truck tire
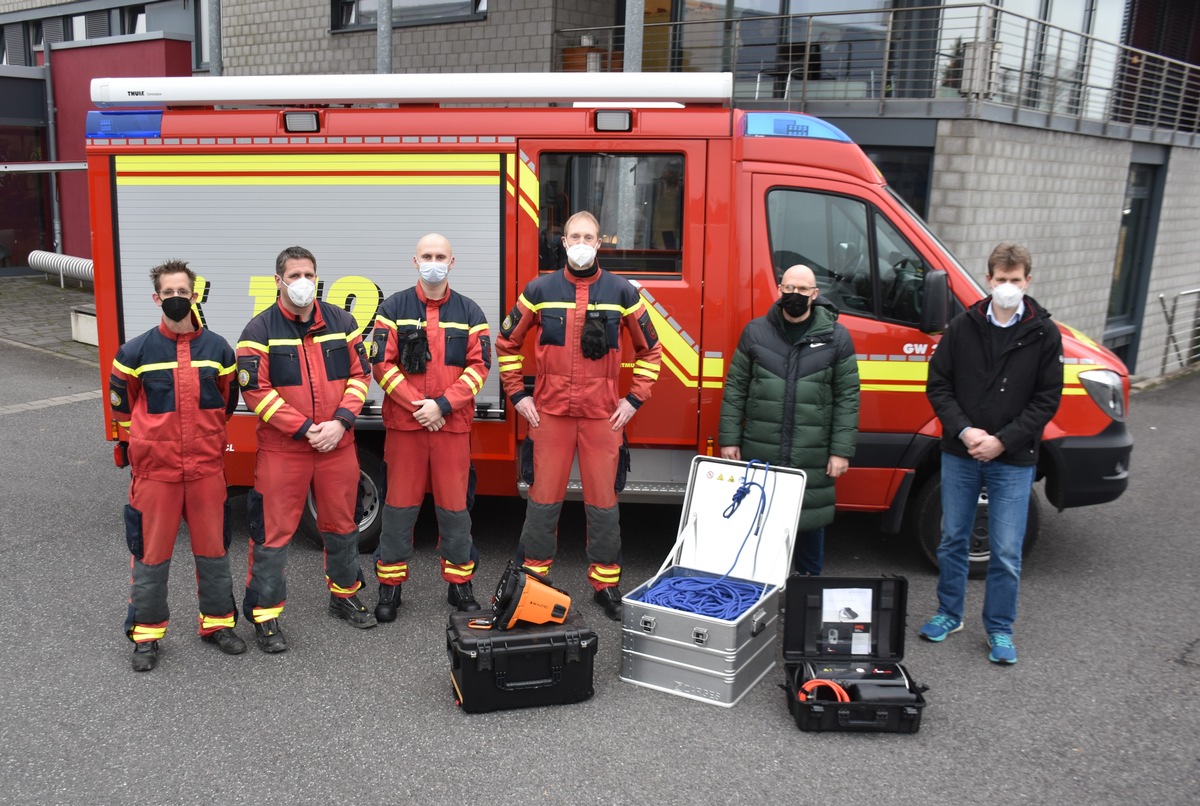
{"x": 926, "y": 525}
{"x": 370, "y": 502}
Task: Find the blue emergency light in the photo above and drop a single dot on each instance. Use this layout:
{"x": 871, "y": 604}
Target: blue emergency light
{"x": 790, "y": 124}
{"x": 107, "y": 125}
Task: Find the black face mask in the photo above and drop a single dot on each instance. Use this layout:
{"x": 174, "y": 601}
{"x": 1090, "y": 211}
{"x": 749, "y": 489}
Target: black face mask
{"x": 176, "y": 308}
{"x": 794, "y": 304}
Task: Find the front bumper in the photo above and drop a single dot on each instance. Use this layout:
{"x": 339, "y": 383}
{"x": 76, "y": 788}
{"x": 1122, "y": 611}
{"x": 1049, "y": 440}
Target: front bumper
{"x": 1081, "y": 471}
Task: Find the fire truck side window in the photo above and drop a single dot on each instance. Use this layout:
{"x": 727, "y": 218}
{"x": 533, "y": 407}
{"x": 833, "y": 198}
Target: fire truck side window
{"x": 901, "y": 274}
{"x": 829, "y": 234}
{"x": 637, "y": 198}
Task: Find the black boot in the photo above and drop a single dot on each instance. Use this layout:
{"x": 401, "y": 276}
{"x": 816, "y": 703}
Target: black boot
{"x": 145, "y": 656}
{"x": 388, "y": 604}
{"x": 351, "y": 609}
{"x": 610, "y": 599}
{"x": 269, "y": 636}
{"x": 461, "y": 596}
{"x": 226, "y": 640}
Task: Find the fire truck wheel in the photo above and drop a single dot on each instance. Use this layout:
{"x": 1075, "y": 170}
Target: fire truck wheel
{"x": 370, "y": 503}
{"x": 926, "y": 525}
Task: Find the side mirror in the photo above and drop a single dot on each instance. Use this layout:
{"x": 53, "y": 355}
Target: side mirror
{"x": 935, "y": 302}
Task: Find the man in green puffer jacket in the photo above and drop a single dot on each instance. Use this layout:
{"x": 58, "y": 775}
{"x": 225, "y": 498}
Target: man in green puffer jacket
{"x": 791, "y": 399}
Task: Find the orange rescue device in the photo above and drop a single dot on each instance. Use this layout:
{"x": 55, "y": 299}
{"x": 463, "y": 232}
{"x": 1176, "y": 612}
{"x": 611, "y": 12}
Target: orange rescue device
{"x": 525, "y": 596}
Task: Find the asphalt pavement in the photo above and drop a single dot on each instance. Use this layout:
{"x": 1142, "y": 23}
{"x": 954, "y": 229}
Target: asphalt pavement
{"x": 1103, "y": 707}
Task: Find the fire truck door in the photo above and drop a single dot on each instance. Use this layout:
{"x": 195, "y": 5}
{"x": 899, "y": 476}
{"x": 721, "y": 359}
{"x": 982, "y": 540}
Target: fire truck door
{"x": 648, "y": 197}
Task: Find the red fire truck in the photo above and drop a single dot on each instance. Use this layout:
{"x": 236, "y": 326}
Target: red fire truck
{"x": 702, "y": 205}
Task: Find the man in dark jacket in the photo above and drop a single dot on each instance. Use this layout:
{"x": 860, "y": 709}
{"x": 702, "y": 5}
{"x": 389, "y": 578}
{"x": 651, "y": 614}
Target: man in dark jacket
{"x": 791, "y": 399}
{"x": 995, "y": 381}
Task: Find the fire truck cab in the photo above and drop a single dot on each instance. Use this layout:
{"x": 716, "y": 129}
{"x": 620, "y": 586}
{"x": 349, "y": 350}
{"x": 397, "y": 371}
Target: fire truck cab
{"x": 701, "y": 205}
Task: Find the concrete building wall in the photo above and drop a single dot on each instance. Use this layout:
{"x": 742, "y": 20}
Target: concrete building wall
{"x": 1174, "y": 266}
{"x": 268, "y": 37}
{"x": 1059, "y": 194}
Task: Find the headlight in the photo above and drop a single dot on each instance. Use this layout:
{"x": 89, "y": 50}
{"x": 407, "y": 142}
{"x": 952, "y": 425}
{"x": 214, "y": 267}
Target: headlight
{"x": 1106, "y": 390}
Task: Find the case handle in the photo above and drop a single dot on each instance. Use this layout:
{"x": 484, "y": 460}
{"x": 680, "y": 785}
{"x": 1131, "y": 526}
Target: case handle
{"x": 845, "y": 718}
{"x": 504, "y": 684}
{"x": 758, "y": 622}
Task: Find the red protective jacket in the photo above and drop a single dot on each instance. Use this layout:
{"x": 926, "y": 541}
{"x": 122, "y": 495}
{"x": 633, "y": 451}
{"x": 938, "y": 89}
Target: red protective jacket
{"x": 171, "y": 394}
{"x": 568, "y": 384}
{"x": 460, "y": 347}
{"x": 295, "y": 374}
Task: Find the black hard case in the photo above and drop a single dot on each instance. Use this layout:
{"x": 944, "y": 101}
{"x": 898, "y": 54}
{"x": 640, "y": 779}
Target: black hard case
{"x": 549, "y": 664}
{"x": 804, "y": 659}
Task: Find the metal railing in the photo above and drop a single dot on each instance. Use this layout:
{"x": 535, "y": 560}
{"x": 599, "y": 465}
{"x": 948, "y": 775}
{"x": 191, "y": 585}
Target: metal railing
{"x": 77, "y": 268}
{"x": 1188, "y": 352}
{"x": 900, "y": 58}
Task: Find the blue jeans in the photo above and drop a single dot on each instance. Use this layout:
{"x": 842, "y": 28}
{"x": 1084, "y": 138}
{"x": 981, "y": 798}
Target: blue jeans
{"x": 1008, "y": 507}
{"x": 808, "y": 556}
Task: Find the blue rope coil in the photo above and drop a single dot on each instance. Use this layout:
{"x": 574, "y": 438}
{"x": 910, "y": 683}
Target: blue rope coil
{"x": 706, "y": 596}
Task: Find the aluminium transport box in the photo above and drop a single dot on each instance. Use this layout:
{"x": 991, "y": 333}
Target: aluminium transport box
{"x": 849, "y": 631}
{"x": 706, "y": 657}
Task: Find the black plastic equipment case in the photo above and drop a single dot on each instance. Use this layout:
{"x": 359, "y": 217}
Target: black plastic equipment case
{"x": 884, "y": 696}
{"x": 548, "y": 664}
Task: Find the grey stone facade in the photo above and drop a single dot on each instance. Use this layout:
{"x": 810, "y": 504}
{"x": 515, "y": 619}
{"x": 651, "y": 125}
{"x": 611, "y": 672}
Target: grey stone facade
{"x": 1174, "y": 266}
{"x": 265, "y": 37}
{"x": 1059, "y": 194}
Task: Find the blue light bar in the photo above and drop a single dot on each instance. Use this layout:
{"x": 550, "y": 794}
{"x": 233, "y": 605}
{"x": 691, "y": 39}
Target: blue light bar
{"x": 124, "y": 124}
{"x": 789, "y": 124}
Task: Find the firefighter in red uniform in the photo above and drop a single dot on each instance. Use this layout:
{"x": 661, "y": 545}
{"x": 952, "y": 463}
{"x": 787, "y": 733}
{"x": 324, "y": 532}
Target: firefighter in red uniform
{"x": 172, "y": 392}
{"x": 304, "y": 372}
{"x": 576, "y": 405}
{"x": 431, "y": 352}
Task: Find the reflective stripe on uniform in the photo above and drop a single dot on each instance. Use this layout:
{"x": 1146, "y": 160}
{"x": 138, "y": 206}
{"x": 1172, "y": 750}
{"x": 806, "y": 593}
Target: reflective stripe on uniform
{"x": 465, "y": 571}
{"x": 606, "y": 574}
{"x": 141, "y": 633}
{"x": 357, "y": 388}
{"x": 394, "y": 573}
{"x": 262, "y": 614}
{"x": 650, "y": 370}
{"x": 216, "y": 622}
{"x": 268, "y": 405}
{"x": 147, "y": 367}
{"x": 388, "y": 382}
{"x": 473, "y": 380}
{"x": 338, "y": 590}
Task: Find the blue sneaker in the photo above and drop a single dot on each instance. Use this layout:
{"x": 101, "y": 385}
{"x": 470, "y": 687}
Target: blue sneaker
{"x": 938, "y": 627}
{"x": 1002, "y": 647}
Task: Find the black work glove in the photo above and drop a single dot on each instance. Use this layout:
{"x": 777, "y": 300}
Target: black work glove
{"x": 594, "y": 341}
{"x": 414, "y": 352}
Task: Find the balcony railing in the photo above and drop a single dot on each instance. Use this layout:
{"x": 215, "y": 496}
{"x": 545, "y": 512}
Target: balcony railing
{"x": 973, "y": 61}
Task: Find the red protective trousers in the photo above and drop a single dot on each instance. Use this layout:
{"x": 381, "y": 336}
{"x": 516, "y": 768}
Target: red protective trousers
{"x": 283, "y": 479}
{"x": 415, "y": 459}
{"x": 158, "y": 508}
{"x": 438, "y": 459}
{"x": 556, "y": 441}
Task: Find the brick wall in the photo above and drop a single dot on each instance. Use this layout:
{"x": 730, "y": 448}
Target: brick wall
{"x": 1059, "y": 194}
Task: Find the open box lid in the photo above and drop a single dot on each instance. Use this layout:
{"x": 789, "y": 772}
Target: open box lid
{"x": 751, "y": 541}
{"x": 844, "y": 618}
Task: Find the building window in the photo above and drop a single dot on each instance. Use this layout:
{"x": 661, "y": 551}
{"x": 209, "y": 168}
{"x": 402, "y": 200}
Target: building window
{"x": 637, "y": 198}
{"x": 133, "y": 20}
{"x": 349, "y": 15}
